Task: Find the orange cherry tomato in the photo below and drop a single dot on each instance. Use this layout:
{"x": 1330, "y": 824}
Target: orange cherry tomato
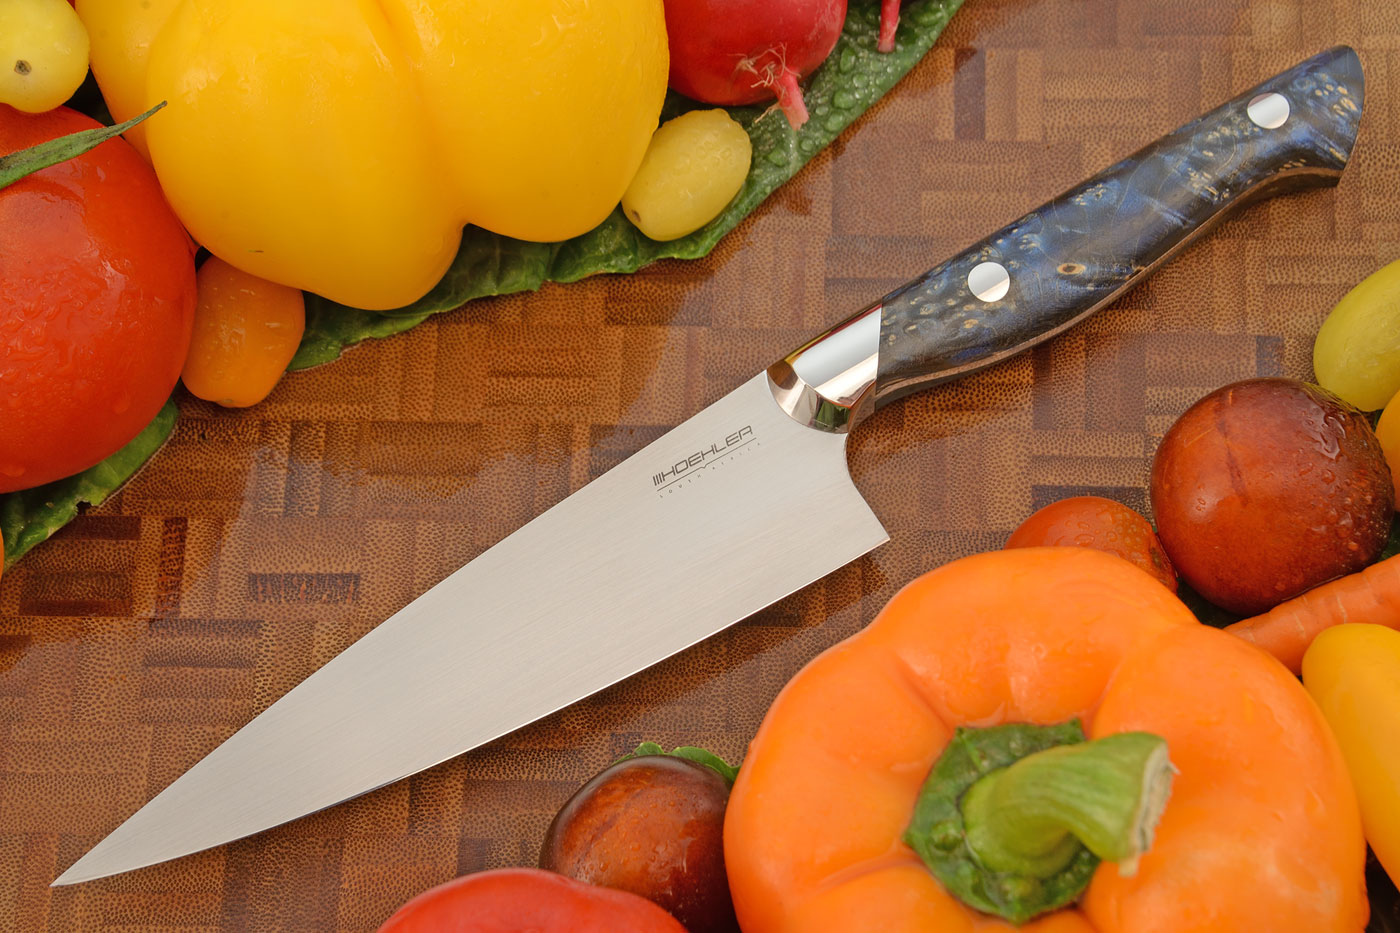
{"x": 1388, "y": 433}
{"x": 1099, "y": 523}
{"x": 96, "y": 301}
{"x": 246, "y": 330}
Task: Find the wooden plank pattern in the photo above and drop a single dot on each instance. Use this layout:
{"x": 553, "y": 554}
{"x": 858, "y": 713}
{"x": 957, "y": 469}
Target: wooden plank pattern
{"x": 260, "y": 543}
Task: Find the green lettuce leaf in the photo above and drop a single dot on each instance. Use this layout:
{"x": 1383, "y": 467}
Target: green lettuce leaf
{"x": 30, "y": 516}
{"x": 1392, "y": 544}
{"x": 853, "y": 78}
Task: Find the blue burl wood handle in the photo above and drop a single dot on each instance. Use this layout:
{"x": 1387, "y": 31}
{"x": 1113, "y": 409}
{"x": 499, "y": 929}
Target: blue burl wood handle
{"x": 1064, "y": 261}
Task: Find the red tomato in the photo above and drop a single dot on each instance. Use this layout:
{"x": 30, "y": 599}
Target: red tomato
{"x": 528, "y": 900}
{"x": 97, "y": 297}
{"x": 1099, "y": 523}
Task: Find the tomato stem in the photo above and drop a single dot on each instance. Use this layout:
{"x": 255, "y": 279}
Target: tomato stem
{"x": 17, "y": 165}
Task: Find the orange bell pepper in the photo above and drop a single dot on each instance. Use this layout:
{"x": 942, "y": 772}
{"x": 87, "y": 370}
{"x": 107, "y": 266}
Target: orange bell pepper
{"x": 1260, "y": 831}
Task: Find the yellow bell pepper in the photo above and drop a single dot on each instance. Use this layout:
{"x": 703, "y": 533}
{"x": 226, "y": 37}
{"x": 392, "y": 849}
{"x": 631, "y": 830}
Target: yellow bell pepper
{"x": 340, "y": 145}
{"x": 1353, "y": 672}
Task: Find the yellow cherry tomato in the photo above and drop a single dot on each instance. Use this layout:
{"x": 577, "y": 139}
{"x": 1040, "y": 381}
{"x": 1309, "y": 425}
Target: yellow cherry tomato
{"x": 692, "y": 169}
{"x": 246, "y": 330}
{"x": 43, "y": 53}
{"x": 1357, "y": 352}
{"x": 1353, "y": 672}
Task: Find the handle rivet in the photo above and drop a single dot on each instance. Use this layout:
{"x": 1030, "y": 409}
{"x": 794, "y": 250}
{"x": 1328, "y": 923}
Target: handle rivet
{"x": 989, "y": 281}
{"x": 1269, "y": 111}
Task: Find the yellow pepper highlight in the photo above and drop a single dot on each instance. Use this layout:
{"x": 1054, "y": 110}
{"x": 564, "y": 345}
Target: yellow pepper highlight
{"x": 339, "y": 146}
{"x": 1353, "y": 672}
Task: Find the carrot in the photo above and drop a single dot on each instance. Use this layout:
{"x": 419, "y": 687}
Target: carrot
{"x": 1286, "y": 631}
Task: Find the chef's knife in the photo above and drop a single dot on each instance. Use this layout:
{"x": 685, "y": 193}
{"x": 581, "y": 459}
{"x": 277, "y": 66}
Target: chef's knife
{"x": 741, "y": 505}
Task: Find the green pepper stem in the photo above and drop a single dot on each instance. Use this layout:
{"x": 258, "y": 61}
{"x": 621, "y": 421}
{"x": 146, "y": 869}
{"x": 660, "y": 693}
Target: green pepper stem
{"x": 16, "y": 165}
{"x": 1108, "y": 794}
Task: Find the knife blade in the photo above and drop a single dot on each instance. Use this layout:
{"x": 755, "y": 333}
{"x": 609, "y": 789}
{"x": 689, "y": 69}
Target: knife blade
{"x": 744, "y": 503}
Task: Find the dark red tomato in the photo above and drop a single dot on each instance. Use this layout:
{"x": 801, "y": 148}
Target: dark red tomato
{"x": 97, "y": 297}
{"x": 653, "y": 826}
{"x": 528, "y": 900}
{"x": 1099, "y": 523}
{"x": 1267, "y": 488}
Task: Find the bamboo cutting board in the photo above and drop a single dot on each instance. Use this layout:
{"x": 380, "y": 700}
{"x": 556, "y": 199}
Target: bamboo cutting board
{"x": 258, "y": 544}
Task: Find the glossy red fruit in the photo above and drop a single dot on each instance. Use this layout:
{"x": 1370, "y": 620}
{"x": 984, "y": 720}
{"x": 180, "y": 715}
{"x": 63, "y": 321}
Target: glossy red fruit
{"x": 653, "y": 826}
{"x": 527, "y": 900}
{"x": 97, "y": 294}
{"x": 747, "y": 51}
{"x": 1266, "y": 488}
{"x": 1101, "y": 524}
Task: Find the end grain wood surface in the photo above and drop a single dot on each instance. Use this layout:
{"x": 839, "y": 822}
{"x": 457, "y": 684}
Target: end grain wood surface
{"x": 258, "y": 544}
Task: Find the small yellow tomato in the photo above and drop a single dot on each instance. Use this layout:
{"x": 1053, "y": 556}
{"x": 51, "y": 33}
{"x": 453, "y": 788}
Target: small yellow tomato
{"x": 1353, "y": 672}
{"x": 43, "y": 53}
{"x": 246, "y": 330}
{"x": 1357, "y": 352}
{"x": 692, "y": 169}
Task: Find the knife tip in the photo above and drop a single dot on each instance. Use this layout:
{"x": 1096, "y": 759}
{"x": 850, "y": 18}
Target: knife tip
{"x": 71, "y": 876}
{"x": 86, "y": 868}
